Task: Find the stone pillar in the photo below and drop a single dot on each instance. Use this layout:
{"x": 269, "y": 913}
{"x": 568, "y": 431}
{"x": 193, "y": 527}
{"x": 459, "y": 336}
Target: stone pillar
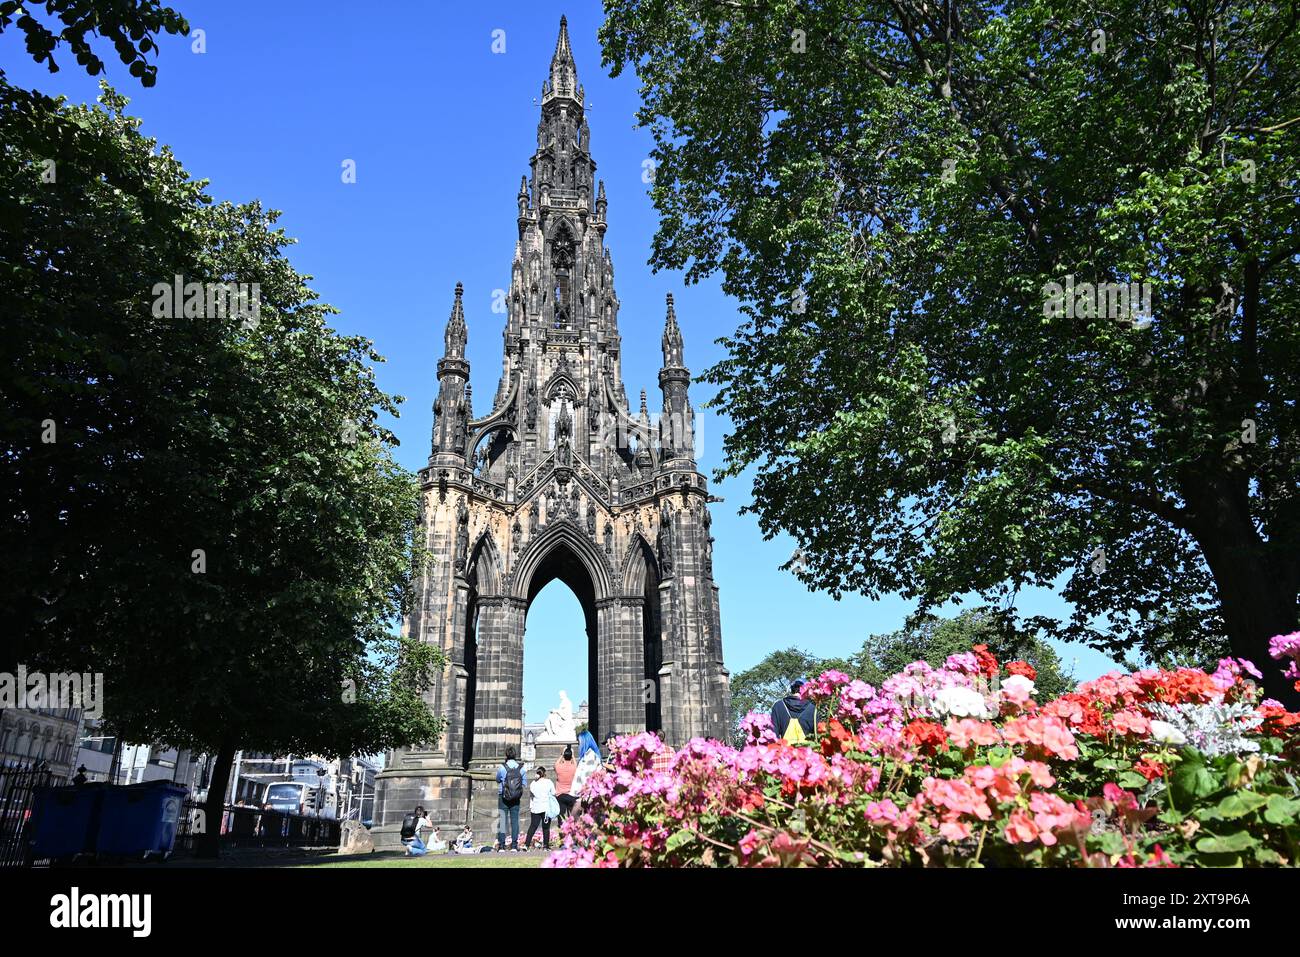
{"x": 620, "y": 665}
{"x": 499, "y": 696}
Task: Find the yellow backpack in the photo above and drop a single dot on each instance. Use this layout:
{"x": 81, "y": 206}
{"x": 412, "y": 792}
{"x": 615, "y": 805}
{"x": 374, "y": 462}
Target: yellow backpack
{"x": 794, "y": 732}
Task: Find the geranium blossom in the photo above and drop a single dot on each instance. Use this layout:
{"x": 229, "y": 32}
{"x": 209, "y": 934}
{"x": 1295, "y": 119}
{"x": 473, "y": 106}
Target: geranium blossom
{"x": 923, "y": 770}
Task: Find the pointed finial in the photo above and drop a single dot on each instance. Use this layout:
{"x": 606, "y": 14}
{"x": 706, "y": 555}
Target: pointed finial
{"x": 672, "y": 340}
{"x": 456, "y": 334}
{"x": 564, "y": 75}
{"x": 643, "y": 406}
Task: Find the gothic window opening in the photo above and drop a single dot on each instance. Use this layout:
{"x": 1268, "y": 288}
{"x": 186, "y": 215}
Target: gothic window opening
{"x": 562, "y": 261}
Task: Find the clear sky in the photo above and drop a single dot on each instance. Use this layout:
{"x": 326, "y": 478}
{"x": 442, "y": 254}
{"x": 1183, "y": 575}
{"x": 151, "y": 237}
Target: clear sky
{"x": 440, "y": 129}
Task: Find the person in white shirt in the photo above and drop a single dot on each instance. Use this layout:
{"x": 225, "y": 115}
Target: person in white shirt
{"x": 541, "y": 795}
{"x": 436, "y": 844}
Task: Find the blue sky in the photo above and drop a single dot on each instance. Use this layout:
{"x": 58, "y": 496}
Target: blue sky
{"x": 440, "y": 128}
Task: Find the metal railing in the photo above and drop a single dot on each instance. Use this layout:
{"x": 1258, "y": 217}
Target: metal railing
{"x": 258, "y": 827}
{"x": 18, "y": 784}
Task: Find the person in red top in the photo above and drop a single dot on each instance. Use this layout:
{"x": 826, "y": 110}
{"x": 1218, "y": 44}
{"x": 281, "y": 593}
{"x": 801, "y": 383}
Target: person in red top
{"x": 663, "y": 759}
{"x": 565, "y": 767}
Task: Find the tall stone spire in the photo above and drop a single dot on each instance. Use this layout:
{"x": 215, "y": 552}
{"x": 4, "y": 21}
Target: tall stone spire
{"x": 563, "y": 478}
{"x": 455, "y": 336}
{"x": 451, "y": 412}
{"x": 677, "y": 422}
{"x": 564, "y": 73}
{"x": 672, "y": 340}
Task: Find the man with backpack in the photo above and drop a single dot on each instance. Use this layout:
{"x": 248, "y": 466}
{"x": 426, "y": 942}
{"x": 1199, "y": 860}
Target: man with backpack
{"x": 510, "y": 791}
{"x": 794, "y": 719}
{"x": 412, "y": 824}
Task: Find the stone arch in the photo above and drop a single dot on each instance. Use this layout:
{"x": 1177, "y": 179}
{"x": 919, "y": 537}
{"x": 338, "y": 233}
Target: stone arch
{"x": 639, "y": 563}
{"x": 484, "y": 575}
{"x": 542, "y": 553}
{"x": 640, "y": 580}
{"x": 485, "y": 568}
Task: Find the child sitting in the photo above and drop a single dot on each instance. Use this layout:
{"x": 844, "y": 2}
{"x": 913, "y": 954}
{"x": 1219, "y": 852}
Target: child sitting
{"x": 465, "y": 842}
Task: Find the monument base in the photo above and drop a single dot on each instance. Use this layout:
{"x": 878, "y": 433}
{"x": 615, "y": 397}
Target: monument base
{"x": 447, "y": 796}
{"x": 546, "y": 753}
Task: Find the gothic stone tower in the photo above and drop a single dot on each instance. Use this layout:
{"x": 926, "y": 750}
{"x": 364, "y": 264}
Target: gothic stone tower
{"x": 559, "y": 479}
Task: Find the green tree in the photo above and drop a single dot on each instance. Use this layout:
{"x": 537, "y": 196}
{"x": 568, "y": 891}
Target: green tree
{"x": 130, "y": 25}
{"x": 760, "y": 687}
{"x": 891, "y": 187}
{"x": 201, "y": 503}
{"x": 932, "y": 639}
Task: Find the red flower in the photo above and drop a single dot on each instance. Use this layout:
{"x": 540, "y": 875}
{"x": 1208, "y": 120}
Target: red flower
{"x": 1022, "y": 668}
{"x": 926, "y": 735}
{"x": 988, "y": 664}
{"x": 1186, "y": 685}
{"x": 1150, "y": 769}
{"x": 1278, "y": 721}
{"x": 836, "y": 738}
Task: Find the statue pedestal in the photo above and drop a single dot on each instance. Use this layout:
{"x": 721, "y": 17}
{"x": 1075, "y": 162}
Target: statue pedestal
{"x": 548, "y": 752}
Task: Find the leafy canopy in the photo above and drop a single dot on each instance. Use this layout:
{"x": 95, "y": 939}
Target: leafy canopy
{"x": 204, "y": 508}
{"x": 890, "y": 187}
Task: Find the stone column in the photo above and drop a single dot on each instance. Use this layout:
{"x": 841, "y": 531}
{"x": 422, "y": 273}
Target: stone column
{"x": 620, "y": 665}
{"x": 499, "y": 696}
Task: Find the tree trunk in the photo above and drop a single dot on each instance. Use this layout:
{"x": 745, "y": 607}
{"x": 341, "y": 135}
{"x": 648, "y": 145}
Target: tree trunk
{"x": 214, "y": 807}
{"x": 1257, "y": 594}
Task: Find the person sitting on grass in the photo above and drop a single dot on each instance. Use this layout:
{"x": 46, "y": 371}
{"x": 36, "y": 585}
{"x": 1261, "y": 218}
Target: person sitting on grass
{"x": 436, "y": 843}
{"x": 465, "y": 842}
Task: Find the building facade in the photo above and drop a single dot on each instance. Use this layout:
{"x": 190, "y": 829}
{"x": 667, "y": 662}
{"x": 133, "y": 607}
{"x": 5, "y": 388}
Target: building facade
{"x": 559, "y": 478}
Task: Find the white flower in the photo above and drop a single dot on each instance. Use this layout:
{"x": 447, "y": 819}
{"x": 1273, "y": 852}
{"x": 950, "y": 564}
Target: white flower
{"x": 1017, "y": 689}
{"x": 961, "y": 703}
{"x": 1166, "y": 733}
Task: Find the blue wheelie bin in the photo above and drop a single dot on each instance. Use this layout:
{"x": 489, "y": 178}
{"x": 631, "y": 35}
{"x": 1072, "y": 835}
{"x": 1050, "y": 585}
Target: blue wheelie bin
{"x": 140, "y": 820}
{"x": 64, "y": 820}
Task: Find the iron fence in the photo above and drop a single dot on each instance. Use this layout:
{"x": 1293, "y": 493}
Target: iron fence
{"x": 257, "y": 827}
{"x": 18, "y": 784}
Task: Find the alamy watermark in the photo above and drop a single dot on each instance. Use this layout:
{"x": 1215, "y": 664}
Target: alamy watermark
{"x": 208, "y": 300}
{"x": 36, "y": 689}
{"x": 1122, "y": 301}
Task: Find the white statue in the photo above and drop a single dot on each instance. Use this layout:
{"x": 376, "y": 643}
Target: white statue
{"x": 559, "y": 724}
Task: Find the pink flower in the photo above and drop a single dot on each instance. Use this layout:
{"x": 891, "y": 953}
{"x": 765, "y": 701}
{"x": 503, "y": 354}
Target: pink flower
{"x": 1046, "y": 732}
{"x": 1132, "y": 722}
{"x": 1018, "y": 690}
{"x": 954, "y": 830}
{"x": 1021, "y": 828}
{"x": 1286, "y": 646}
{"x": 882, "y": 812}
{"x": 967, "y": 731}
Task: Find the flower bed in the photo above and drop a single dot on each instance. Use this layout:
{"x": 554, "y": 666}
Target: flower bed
{"x": 960, "y": 766}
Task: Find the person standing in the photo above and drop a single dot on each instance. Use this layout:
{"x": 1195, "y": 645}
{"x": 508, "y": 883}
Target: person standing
{"x": 794, "y": 719}
{"x": 565, "y": 768}
{"x": 510, "y": 791}
{"x": 541, "y": 792}
{"x": 589, "y": 761}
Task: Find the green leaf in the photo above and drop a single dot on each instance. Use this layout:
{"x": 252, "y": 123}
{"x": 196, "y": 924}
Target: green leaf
{"x": 1241, "y": 803}
{"x": 1281, "y": 809}
{"x": 1131, "y": 780}
{"x": 1192, "y": 781}
{"x": 679, "y": 839}
{"x": 1226, "y": 844}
